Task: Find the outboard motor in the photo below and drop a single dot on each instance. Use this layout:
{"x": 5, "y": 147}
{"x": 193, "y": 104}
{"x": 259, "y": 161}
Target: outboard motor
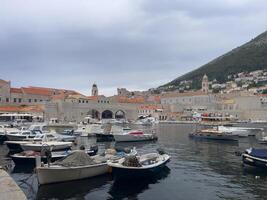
{"x": 47, "y": 153}
{"x": 161, "y": 151}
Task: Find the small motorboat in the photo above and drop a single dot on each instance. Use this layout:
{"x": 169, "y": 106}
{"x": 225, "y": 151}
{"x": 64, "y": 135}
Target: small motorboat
{"x": 212, "y": 134}
{"x": 76, "y": 166}
{"x": 138, "y": 166}
{"x": 134, "y": 136}
{"x": 53, "y": 145}
{"x": 29, "y": 157}
{"x": 15, "y": 146}
{"x": 255, "y": 157}
{"x": 21, "y": 135}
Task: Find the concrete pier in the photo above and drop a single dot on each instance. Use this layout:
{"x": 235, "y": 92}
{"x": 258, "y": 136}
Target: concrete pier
{"x": 8, "y": 188}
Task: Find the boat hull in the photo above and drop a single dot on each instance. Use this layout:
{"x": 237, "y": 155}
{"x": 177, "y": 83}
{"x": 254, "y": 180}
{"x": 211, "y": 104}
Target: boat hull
{"x": 39, "y": 147}
{"x": 14, "y": 146}
{"x": 134, "y": 138}
{"x": 254, "y": 161}
{"x": 101, "y": 137}
{"x": 14, "y": 137}
{"x": 137, "y": 173}
{"x": 214, "y": 137}
{"x": 30, "y": 160}
{"x": 47, "y": 175}
{"x": 2, "y": 138}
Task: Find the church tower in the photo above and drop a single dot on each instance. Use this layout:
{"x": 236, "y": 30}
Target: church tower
{"x": 94, "y": 90}
{"x": 205, "y": 84}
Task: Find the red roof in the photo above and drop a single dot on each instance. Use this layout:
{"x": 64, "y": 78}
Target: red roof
{"x": 36, "y": 108}
{"x": 37, "y": 91}
{"x": 3, "y": 81}
{"x": 16, "y": 90}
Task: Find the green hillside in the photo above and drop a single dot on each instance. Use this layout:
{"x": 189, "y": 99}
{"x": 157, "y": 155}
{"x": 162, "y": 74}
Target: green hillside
{"x": 248, "y": 57}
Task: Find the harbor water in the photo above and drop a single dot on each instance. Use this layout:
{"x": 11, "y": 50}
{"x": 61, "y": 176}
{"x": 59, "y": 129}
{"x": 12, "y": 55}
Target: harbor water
{"x": 198, "y": 169}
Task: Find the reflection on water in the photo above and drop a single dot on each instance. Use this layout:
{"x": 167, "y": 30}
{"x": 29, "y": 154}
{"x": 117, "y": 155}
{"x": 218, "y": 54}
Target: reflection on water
{"x": 198, "y": 169}
{"x": 122, "y": 189}
{"x": 74, "y": 189}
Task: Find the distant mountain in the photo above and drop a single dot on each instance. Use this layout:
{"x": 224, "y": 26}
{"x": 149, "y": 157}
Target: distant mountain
{"x": 248, "y": 57}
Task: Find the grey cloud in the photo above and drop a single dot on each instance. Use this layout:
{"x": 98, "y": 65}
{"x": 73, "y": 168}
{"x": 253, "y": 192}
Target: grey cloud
{"x": 130, "y": 43}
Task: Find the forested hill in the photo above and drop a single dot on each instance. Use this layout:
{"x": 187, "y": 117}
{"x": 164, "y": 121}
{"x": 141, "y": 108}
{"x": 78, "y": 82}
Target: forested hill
{"x": 248, "y": 57}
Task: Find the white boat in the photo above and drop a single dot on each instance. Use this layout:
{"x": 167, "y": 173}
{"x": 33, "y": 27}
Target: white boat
{"x": 133, "y": 136}
{"x": 19, "y": 136}
{"x": 92, "y": 130}
{"x": 80, "y": 130}
{"x": 53, "y": 145}
{"x": 138, "y": 167}
{"x": 234, "y": 130}
{"x": 63, "y": 171}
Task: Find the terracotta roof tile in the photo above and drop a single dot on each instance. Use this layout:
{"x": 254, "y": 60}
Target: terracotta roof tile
{"x": 16, "y": 90}
{"x": 36, "y": 108}
{"x": 37, "y": 91}
{"x": 3, "y": 81}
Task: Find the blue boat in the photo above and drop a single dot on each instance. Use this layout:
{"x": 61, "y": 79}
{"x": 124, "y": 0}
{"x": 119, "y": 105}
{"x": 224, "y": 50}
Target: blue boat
{"x": 255, "y": 157}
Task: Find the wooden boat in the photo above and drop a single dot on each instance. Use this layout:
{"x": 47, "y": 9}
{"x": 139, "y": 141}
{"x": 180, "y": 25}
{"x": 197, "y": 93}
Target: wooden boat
{"x": 29, "y": 157}
{"x": 60, "y": 172}
{"x": 134, "y": 136}
{"x": 212, "y": 134}
{"x": 255, "y": 157}
{"x": 145, "y": 165}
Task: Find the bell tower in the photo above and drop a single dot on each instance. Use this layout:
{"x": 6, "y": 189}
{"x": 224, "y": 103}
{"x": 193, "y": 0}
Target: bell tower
{"x": 94, "y": 90}
{"x": 205, "y": 84}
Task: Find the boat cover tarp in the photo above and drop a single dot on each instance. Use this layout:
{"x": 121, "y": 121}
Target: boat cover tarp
{"x": 260, "y": 153}
{"x": 75, "y": 159}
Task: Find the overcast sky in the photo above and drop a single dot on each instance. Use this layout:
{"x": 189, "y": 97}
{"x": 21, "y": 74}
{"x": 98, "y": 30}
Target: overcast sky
{"x": 137, "y": 44}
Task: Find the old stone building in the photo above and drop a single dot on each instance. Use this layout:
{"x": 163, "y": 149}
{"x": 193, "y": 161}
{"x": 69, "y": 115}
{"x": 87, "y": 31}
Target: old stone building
{"x": 66, "y": 105}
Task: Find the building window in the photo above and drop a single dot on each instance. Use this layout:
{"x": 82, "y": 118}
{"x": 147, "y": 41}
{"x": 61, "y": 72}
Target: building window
{"x": 98, "y": 101}
{"x": 7, "y": 99}
{"x": 86, "y": 101}
{"x": 0, "y": 99}
{"x": 79, "y": 101}
{"x": 41, "y": 100}
{"x": 14, "y": 100}
{"x": 30, "y": 100}
{"x": 19, "y": 100}
{"x": 35, "y": 100}
{"x": 83, "y": 101}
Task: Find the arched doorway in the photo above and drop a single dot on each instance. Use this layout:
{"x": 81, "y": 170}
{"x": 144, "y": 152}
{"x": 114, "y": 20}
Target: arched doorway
{"x": 119, "y": 114}
{"x": 107, "y": 114}
{"x": 94, "y": 114}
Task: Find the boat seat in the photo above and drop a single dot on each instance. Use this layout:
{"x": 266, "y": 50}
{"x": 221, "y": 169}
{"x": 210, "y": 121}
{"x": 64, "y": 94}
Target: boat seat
{"x": 148, "y": 158}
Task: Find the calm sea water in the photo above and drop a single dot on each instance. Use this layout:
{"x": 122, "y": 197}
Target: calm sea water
{"x": 198, "y": 170}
